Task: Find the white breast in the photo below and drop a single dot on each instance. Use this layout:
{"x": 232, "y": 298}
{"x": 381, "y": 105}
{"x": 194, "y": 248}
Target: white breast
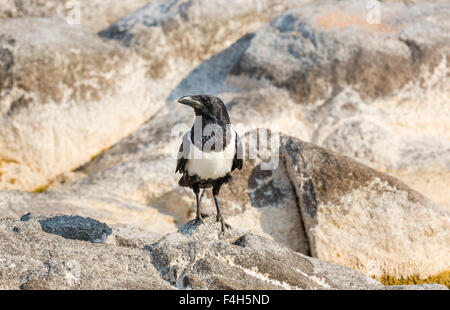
{"x": 212, "y": 165}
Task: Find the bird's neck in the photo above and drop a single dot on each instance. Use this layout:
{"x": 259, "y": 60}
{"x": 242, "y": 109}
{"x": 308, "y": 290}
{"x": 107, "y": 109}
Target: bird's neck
{"x": 210, "y": 131}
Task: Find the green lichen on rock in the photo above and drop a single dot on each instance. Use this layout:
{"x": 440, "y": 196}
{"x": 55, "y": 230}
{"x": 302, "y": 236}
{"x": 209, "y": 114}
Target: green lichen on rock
{"x": 440, "y": 278}
{"x": 41, "y": 189}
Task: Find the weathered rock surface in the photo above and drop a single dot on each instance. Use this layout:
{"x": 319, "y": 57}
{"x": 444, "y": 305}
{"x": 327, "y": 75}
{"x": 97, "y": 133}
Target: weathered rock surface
{"x": 176, "y": 36}
{"x": 376, "y": 92}
{"x": 88, "y": 229}
{"x": 334, "y": 42}
{"x": 66, "y": 95}
{"x": 92, "y": 15}
{"x": 364, "y": 219}
{"x": 76, "y": 227}
{"x": 195, "y": 257}
{"x": 103, "y": 206}
{"x": 33, "y": 259}
{"x": 191, "y": 258}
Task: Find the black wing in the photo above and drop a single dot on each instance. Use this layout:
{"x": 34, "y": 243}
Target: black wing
{"x": 183, "y": 154}
{"x": 238, "y": 155}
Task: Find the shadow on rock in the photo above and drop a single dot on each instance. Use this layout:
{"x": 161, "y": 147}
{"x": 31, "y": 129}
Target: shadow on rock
{"x": 208, "y": 77}
{"x": 76, "y": 228}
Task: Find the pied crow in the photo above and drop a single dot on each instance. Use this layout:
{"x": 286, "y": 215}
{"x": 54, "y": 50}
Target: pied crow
{"x": 210, "y": 151}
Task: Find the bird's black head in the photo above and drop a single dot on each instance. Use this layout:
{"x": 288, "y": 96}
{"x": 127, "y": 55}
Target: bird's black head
{"x": 210, "y": 107}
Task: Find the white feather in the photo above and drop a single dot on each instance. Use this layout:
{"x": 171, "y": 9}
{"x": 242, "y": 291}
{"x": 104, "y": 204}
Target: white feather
{"x": 212, "y": 165}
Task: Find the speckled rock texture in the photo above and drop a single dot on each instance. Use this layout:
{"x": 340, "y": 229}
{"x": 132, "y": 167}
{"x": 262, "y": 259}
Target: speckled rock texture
{"x": 195, "y": 257}
{"x": 32, "y": 259}
{"x": 356, "y": 216}
{"x": 66, "y": 95}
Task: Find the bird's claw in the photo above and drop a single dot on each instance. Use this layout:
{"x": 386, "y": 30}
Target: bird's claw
{"x": 199, "y": 218}
{"x": 224, "y": 225}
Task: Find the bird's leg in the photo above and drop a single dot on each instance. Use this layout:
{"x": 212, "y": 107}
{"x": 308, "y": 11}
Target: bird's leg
{"x": 219, "y": 217}
{"x": 203, "y": 215}
{"x": 198, "y": 218}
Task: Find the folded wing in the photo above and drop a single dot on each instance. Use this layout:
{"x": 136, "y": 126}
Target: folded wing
{"x": 238, "y": 155}
{"x": 183, "y": 154}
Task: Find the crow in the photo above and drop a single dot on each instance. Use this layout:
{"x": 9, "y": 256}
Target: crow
{"x": 209, "y": 152}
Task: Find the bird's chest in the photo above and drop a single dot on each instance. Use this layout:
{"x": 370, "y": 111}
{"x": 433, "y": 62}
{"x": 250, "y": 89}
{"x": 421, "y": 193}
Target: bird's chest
{"x": 211, "y": 164}
{"x": 207, "y": 168}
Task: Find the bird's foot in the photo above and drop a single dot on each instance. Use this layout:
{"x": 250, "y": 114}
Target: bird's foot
{"x": 224, "y": 225}
{"x": 199, "y": 218}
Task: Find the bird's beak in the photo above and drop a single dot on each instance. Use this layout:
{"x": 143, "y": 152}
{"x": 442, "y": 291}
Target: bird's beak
{"x": 188, "y": 100}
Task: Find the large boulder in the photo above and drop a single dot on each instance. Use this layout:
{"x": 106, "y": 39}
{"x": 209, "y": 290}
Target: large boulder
{"x": 202, "y": 258}
{"x": 337, "y": 43}
{"x": 66, "y": 95}
{"x": 361, "y": 218}
{"x": 375, "y": 91}
{"x": 33, "y": 259}
{"x": 194, "y": 257}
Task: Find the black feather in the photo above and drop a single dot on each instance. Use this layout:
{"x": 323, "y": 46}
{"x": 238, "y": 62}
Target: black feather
{"x": 183, "y": 154}
{"x": 238, "y": 155}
